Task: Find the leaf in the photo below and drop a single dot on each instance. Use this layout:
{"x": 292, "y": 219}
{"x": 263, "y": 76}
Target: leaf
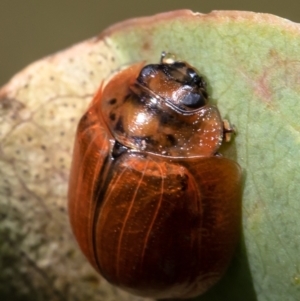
{"x": 252, "y": 65}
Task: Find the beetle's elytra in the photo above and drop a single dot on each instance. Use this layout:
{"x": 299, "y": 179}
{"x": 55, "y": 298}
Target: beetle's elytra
{"x": 152, "y": 205}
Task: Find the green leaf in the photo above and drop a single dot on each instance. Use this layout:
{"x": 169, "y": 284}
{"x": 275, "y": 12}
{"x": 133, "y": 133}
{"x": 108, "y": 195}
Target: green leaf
{"x": 252, "y": 65}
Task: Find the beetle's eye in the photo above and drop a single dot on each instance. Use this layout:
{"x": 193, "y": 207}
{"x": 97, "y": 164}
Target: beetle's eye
{"x": 193, "y": 100}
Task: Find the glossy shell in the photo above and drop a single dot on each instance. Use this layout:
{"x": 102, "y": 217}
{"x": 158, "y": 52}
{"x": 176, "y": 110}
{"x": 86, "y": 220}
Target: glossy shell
{"x": 152, "y": 206}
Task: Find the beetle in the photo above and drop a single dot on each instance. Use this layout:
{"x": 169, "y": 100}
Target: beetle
{"x": 153, "y": 205}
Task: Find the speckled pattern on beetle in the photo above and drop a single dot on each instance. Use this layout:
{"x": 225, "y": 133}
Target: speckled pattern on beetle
{"x": 153, "y": 206}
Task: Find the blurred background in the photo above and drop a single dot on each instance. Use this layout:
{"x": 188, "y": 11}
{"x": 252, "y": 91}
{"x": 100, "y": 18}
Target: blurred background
{"x": 33, "y": 29}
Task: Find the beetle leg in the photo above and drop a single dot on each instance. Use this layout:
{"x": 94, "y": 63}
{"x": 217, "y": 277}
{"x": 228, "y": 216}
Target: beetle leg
{"x": 228, "y": 130}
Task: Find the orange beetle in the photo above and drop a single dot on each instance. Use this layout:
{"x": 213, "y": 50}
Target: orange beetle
{"x": 152, "y": 205}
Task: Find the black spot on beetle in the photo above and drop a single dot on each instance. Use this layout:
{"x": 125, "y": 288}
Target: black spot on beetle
{"x": 146, "y": 73}
{"x": 191, "y": 72}
{"x": 119, "y": 125}
{"x": 112, "y": 116}
{"x": 166, "y": 118}
{"x": 171, "y": 139}
{"x": 112, "y": 101}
